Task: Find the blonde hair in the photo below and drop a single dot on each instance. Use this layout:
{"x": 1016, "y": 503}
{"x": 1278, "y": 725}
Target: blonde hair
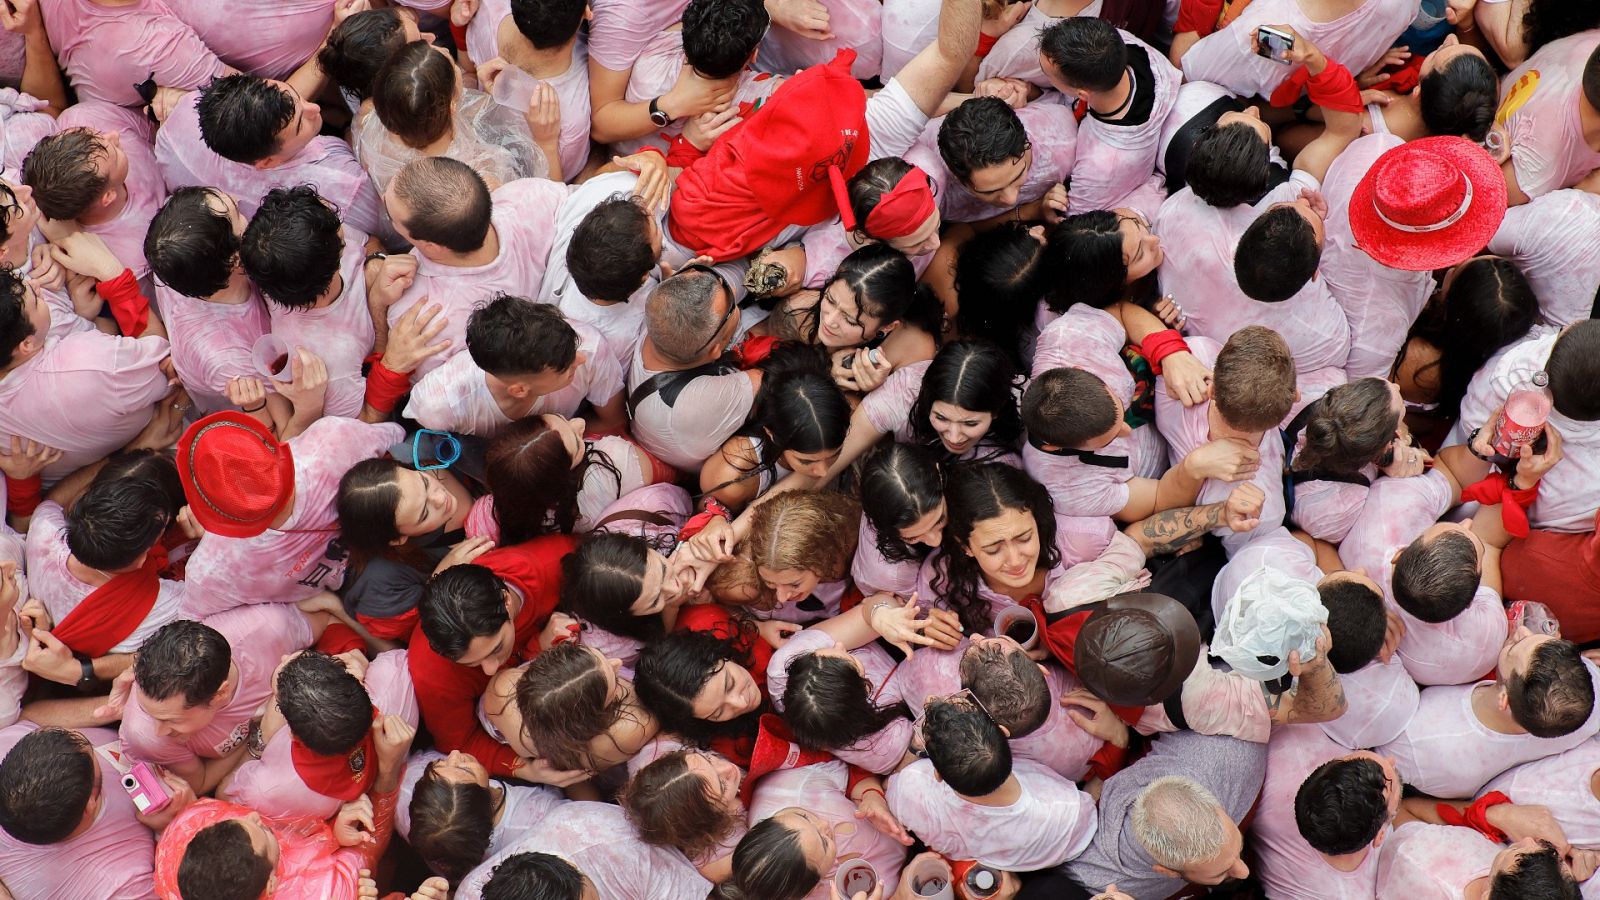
{"x": 1176, "y": 821}
{"x": 811, "y": 530}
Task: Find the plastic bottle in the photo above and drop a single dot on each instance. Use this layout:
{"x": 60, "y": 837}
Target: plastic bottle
{"x": 1522, "y": 420}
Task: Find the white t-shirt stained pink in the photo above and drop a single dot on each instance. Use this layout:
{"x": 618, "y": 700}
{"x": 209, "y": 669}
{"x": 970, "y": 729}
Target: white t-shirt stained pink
{"x": 873, "y": 572}
{"x": 820, "y": 789}
{"x": 855, "y": 24}
{"x": 1563, "y": 783}
{"x": 1051, "y": 129}
{"x": 1539, "y": 108}
{"x": 341, "y": 332}
{"x": 270, "y": 38}
{"x": 106, "y": 50}
{"x": 525, "y": 806}
{"x": 1555, "y": 241}
{"x": 1116, "y": 160}
{"x": 514, "y": 87}
{"x": 707, "y": 412}
{"x": 619, "y": 30}
{"x": 1433, "y": 862}
{"x": 211, "y": 343}
{"x": 1383, "y": 697}
{"x": 1288, "y": 866}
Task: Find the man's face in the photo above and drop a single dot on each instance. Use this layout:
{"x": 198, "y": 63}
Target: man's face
{"x": 262, "y": 840}
{"x": 174, "y": 719}
{"x": 1226, "y": 865}
{"x": 20, "y": 214}
{"x": 1304, "y": 208}
{"x": 38, "y": 312}
{"x": 113, "y": 163}
{"x": 1516, "y": 654}
{"x": 491, "y": 652}
{"x": 399, "y": 211}
{"x": 1000, "y": 185}
{"x": 302, "y": 127}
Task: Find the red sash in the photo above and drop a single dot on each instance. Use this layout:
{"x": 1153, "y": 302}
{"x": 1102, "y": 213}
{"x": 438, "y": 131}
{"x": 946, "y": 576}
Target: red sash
{"x": 343, "y": 776}
{"x": 113, "y": 610}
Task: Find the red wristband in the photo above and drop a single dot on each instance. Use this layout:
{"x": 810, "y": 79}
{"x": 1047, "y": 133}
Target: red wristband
{"x": 1160, "y": 345}
{"x": 986, "y": 43}
{"x": 459, "y": 33}
{"x": 1335, "y": 89}
{"x": 1496, "y": 489}
{"x": 1476, "y": 816}
{"x": 1107, "y": 761}
{"x": 129, "y": 305}
{"x": 385, "y": 387}
{"x": 23, "y": 494}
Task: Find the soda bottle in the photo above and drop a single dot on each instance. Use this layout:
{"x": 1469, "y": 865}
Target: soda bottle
{"x": 1522, "y": 420}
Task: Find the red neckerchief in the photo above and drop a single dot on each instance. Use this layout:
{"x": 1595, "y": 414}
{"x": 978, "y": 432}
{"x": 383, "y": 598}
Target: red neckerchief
{"x": 344, "y": 776}
{"x": 113, "y": 610}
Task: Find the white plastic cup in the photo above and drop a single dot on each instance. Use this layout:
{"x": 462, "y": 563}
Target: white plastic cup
{"x": 931, "y": 878}
{"x": 271, "y": 357}
{"x": 1020, "y": 624}
{"x": 856, "y": 876}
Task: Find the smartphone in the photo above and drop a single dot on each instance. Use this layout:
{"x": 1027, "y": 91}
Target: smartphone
{"x": 1274, "y": 44}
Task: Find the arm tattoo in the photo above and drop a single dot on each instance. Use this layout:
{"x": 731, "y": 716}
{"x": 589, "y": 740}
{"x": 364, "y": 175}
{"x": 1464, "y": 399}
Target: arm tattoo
{"x": 1168, "y": 530}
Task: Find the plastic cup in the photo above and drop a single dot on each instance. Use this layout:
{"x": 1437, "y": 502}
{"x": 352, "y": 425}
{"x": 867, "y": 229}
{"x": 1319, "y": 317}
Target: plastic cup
{"x": 1020, "y": 624}
{"x": 855, "y": 877}
{"x": 271, "y": 358}
{"x": 931, "y": 878}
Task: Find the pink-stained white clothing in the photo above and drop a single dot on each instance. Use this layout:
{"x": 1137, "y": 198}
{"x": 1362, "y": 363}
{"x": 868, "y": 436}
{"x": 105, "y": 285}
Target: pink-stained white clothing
{"x": 524, "y": 213}
{"x": 622, "y": 324}
{"x": 1326, "y": 509}
{"x": 1199, "y": 242}
{"x": 1567, "y": 499}
{"x": 1379, "y": 301}
{"x": 656, "y": 71}
{"x": 270, "y": 38}
{"x": 1051, "y": 822}
{"x": 124, "y": 233}
{"x": 13, "y": 58}
{"x": 1275, "y": 549}
{"x": 114, "y": 859}
{"x": 271, "y": 785}
{"x": 326, "y": 163}
{"x": 1051, "y": 129}
{"x": 1016, "y": 53}
{"x": 1287, "y": 866}
{"x": 1563, "y": 783}
{"x": 1194, "y": 97}
{"x": 820, "y": 789}
{"x": 1398, "y": 510}
{"x": 514, "y": 88}
{"x": 524, "y": 805}
{"x": 211, "y": 343}
{"x": 878, "y": 752}
{"x": 1188, "y": 428}
{"x": 1447, "y": 752}
{"x": 259, "y": 637}
{"x": 620, "y": 30}
{"x": 707, "y": 412}
{"x": 872, "y": 572}
{"x": 1540, "y": 111}
{"x": 1358, "y": 39}
{"x": 455, "y": 396}
{"x": 598, "y": 841}
{"x": 826, "y": 246}
{"x": 23, "y": 121}
{"x": 1555, "y": 241}
{"x": 908, "y": 26}
{"x": 1116, "y": 160}
{"x": 1215, "y": 703}
{"x": 86, "y": 395}
{"x": 341, "y": 333}
{"x": 491, "y": 138}
{"x": 304, "y": 556}
{"x": 106, "y": 50}
{"x": 61, "y": 592}
{"x": 894, "y": 121}
{"x": 1383, "y": 698}
{"x": 855, "y": 24}
{"x": 1433, "y": 862}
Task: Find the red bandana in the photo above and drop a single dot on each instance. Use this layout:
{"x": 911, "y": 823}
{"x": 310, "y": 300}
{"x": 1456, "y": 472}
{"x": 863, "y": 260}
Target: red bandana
{"x": 343, "y": 776}
{"x": 113, "y": 610}
{"x": 900, "y": 211}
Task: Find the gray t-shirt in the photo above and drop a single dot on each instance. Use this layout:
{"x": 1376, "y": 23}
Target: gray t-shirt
{"x": 1229, "y": 768}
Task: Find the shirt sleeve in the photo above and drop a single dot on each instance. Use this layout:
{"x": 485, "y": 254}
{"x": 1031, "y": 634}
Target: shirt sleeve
{"x": 449, "y": 702}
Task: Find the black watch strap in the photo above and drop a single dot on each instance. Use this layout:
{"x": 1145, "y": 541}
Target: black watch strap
{"x": 658, "y": 116}
{"x": 87, "y": 679}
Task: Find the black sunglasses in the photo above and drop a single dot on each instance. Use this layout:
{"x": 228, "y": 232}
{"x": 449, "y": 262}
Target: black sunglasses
{"x": 732, "y": 306}
{"x": 147, "y": 94}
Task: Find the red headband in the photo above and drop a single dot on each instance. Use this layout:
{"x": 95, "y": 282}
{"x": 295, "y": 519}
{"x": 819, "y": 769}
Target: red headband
{"x": 900, "y": 211}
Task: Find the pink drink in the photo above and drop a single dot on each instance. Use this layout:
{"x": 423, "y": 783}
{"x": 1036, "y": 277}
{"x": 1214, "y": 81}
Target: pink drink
{"x": 1523, "y": 419}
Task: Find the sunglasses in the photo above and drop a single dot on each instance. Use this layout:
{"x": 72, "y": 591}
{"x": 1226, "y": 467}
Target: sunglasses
{"x": 445, "y": 450}
{"x": 147, "y": 94}
{"x": 732, "y": 306}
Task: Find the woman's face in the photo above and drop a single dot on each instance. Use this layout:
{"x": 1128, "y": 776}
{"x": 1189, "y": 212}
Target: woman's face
{"x": 959, "y": 429}
{"x": 652, "y": 593}
{"x": 571, "y": 431}
{"x": 842, "y": 322}
{"x": 1006, "y": 547}
{"x": 813, "y": 464}
{"x": 721, "y": 777}
{"x": 1447, "y": 53}
{"x": 425, "y": 504}
{"x": 816, "y": 836}
{"x": 1141, "y": 249}
{"x": 460, "y": 768}
{"x": 408, "y": 27}
{"x": 921, "y": 242}
{"x": 729, "y": 693}
{"x": 928, "y": 530}
{"x": 790, "y": 585}
{"x": 837, "y": 652}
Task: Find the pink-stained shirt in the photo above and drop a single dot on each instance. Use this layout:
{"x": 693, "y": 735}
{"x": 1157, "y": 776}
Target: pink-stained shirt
{"x": 106, "y": 50}
{"x": 1358, "y": 39}
{"x": 1433, "y": 862}
{"x": 524, "y": 212}
{"x": 1326, "y": 509}
{"x": 259, "y": 637}
{"x": 211, "y": 343}
{"x": 820, "y": 789}
{"x": 23, "y": 122}
{"x": 1379, "y": 301}
{"x": 908, "y": 26}
{"x": 707, "y": 412}
{"x": 114, "y": 859}
{"x": 524, "y": 806}
{"x": 1563, "y": 783}
{"x": 826, "y": 247}
{"x": 1398, "y": 510}
{"x": 1186, "y": 429}
{"x": 341, "y": 332}
{"x": 1016, "y": 53}
{"x": 622, "y": 324}
{"x": 656, "y": 71}
{"x": 271, "y": 785}
{"x": 1447, "y": 752}
{"x": 13, "y": 57}
{"x": 124, "y": 233}
{"x": 872, "y": 572}
{"x": 61, "y": 592}
{"x": 619, "y": 30}
{"x": 1199, "y": 242}
{"x": 86, "y": 395}
{"x": 1115, "y": 160}
{"x": 855, "y": 24}
{"x": 1383, "y": 698}
{"x": 1274, "y": 548}
{"x": 304, "y": 556}
{"x": 1540, "y": 111}
{"x": 455, "y": 397}
{"x": 13, "y": 678}
{"x": 1051, "y": 129}
{"x": 597, "y": 839}
{"x": 1555, "y": 242}
{"x": 514, "y": 89}
{"x": 326, "y": 163}
{"x": 1288, "y": 866}
{"x": 270, "y": 38}
{"x": 878, "y": 752}
{"x": 1051, "y": 822}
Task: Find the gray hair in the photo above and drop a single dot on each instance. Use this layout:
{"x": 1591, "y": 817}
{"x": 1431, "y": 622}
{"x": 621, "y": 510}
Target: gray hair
{"x": 1175, "y": 820}
{"x": 679, "y": 315}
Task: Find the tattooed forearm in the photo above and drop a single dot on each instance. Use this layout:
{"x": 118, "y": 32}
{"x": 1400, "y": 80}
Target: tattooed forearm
{"x": 1168, "y": 531}
{"x": 1317, "y": 696}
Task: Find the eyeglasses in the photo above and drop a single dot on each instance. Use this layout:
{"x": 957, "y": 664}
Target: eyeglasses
{"x": 445, "y": 450}
{"x": 732, "y": 306}
{"x": 919, "y": 739}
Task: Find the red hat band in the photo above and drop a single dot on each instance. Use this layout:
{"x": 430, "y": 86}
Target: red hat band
{"x": 902, "y": 210}
{"x": 1429, "y": 195}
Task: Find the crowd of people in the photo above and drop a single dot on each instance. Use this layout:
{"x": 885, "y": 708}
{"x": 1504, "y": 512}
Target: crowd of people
{"x": 779, "y": 449}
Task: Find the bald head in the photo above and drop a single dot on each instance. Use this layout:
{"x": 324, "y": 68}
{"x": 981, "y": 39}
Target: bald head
{"x": 442, "y": 201}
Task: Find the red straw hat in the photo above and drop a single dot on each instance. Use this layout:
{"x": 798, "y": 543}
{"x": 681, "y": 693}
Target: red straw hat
{"x": 1428, "y": 204}
{"x": 236, "y": 475}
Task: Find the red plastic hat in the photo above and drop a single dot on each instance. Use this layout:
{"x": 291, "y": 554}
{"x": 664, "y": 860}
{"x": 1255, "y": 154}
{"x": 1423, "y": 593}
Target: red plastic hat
{"x": 1428, "y": 204}
{"x": 776, "y": 749}
{"x": 901, "y": 210}
{"x": 236, "y": 475}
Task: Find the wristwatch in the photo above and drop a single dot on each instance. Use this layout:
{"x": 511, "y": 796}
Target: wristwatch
{"x": 86, "y": 680}
{"x": 657, "y": 115}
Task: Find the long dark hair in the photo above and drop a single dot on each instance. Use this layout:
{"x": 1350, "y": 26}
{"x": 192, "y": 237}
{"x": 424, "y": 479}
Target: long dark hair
{"x": 670, "y": 673}
{"x": 369, "y": 494}
{"x": 976, "y": 376}
{"x": 977, "y": 492}
{"x": 768, "y": 864}
{"x": 534, "y": 483}
{"x": 884, "y": 284}
{"x": 1002, "y": 274}
{"x": 830, "y": 706}
{"x": 1084, "y": 254}
{"x": 900, "y": 483}
{"x": 1550, "y": 20}
{"x": 601, "y": 579}
{"x": 1489, "y": 306}
{"x": 1347, "y": 428}
{"x": 562, "y": 696}
{"x": 670, "y": 807}
{"x": 798, "y": 408}
{"x": 452, "y": 824}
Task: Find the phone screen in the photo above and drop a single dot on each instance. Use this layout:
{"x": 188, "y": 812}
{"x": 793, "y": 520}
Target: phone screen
{"x": 1274, "y": 44}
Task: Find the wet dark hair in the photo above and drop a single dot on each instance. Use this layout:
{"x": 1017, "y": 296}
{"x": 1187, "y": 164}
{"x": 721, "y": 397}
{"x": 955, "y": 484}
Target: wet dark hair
{"x": 671, "y": 672}
{"x": 768, "y": 864}
{"x": 368, "y": 500}
{"x": 156, "y": 466}
{"x": 1010, "y": 685}
{"x": 1489, "y": 306}
{"x": 412, "y": 93}
{"x": 548, "y": 23}
{"x": 1088, "y": 51}
{"x": 562, "y": 697}
{"x": 325, "y": 706}
{"x": 1347, "y": 428}
{"x": 975, "y": 376}
{"x": 293, "y": 247}
{"x": 976, "y": 492}
{"x": 357, "y": 47}
{"x": 967, "y": 749}
{"x": 1435, "y": 580}
{"x": 15, "y": 326}
{"x": 601, "y": 580}
{"x": 1538, "y": 876}
{"x": 513, "y": 336}
{"x": 670, "y": 806}
{"x": 461, "y": 603}
{"x": 719, "y": 36}
{"x": 1084, "y": 255}
{"x": 1003, "y": 273}
{"x": 63, "y": 170}
{"x": 534, "y": 876}
{"x": 798, "y": 408}
{"x": 452, "y": 824}
{"x": 866, "y": 188}
{"x": 117, "y": 521}
{"x": 183, "y": 658}
{"x": 981, "y": 132}
{"x": 191, "y": 247}
{"x": 1067, "y": 407}
{"x": 1357, "y": 622}
{"x": 830, "y": 706}
{"x": 220, "y": 863}
{"x": 1555, "y": 696}
{"x": 900, "y": 483}
{"x": 609, "y": 256}
{"x": 1574, "y": 369}
{"x": 1276, "y": 256}
{"x": 46, "y": 783}
{"x": 883, "y": 283}
{"x": 1230, "y": 165}
{"x": 1341, "y": 807}
{"x": 534, "y": 483}
{"x": 241, "y": 117}
{"x": 1460, "y": 97}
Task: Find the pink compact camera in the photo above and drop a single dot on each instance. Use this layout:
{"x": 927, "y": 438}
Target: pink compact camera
{"x": 148, "y": 791}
